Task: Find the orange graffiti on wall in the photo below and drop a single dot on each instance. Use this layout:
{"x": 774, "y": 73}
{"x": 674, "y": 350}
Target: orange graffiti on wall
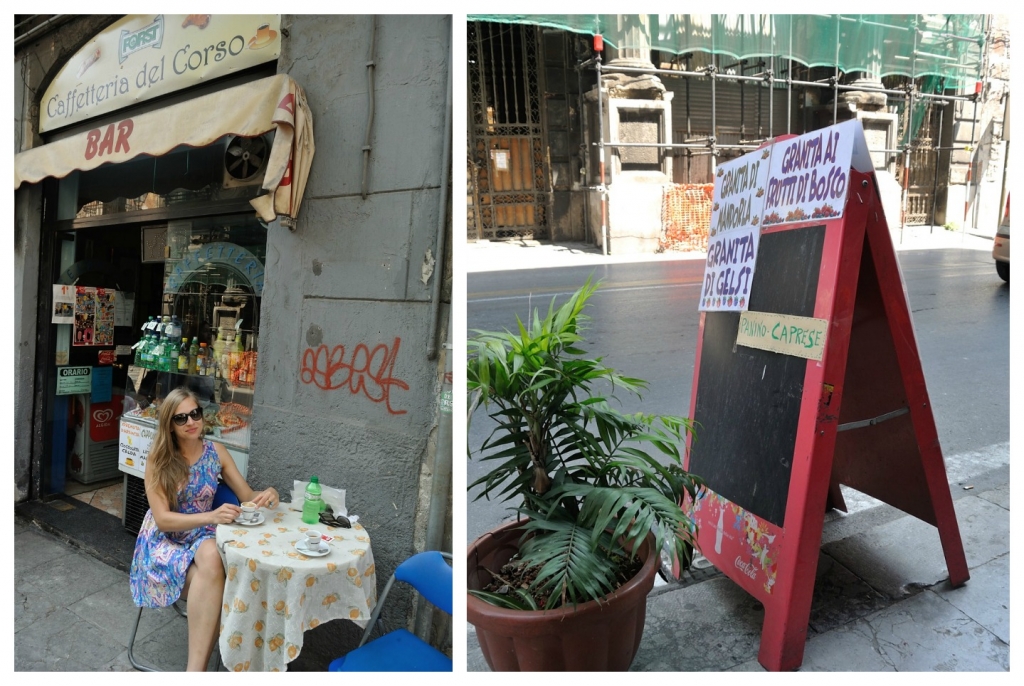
{"x": 369, "y": 372}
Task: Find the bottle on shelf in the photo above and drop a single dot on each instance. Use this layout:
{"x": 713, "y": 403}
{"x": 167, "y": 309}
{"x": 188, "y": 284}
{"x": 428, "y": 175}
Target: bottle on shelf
{"x": 193, "y": 356}
{"x": 224, "y": 363}
{"x": 169, "y": 356}
{"x": 157, "y": 351}
{"x": 203, "y": 360}
{"x": 218, "y": 351}
{"x": 148, "y": 342}
{"x": 140, "y": 347}
{"x": 313, "y": 503}
{"x": 236, "y": 359}
{"x": 183, "y": 357}
{"x": 176, "y": 330}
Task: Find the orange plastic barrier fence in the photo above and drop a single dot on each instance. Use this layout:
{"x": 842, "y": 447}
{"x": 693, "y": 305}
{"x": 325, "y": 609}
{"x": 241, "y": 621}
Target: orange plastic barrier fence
{"x": 686, "y": 217}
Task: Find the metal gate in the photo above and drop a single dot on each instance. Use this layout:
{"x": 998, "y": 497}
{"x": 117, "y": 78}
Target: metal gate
{"x": 509, "y": 187}
{"x": 924, "y": 180}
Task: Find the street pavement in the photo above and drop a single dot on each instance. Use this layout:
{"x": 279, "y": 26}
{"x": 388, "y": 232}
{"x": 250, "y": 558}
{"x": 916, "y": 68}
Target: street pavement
{"x": 882, "y": 601}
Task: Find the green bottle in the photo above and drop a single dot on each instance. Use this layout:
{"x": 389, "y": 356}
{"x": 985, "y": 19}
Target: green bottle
{"x": 193, "y": 356}
{"x": 313, "y": 503}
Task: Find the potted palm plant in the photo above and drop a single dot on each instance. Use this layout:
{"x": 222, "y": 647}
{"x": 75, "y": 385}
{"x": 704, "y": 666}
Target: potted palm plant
{"x": 598, "y": 493}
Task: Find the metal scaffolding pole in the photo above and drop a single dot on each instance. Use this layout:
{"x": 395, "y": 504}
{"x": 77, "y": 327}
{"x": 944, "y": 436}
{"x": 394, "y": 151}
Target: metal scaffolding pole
{"x": 600, "y": 159}
{"x": 974, "y": 121}
{"x": 585, "y": 154}
{"x": 835, "y": 79}
{"x": 826, "y": 83}
{"x": 935, "y": 175}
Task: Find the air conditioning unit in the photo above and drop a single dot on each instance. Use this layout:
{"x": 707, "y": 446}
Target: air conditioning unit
{"x": 245, "y": 161}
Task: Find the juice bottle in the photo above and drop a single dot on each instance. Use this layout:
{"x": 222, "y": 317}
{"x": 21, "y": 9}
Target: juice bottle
{"x": 203, "y": 360}
{"x": 193, "y": 356}
{"x": 183, "y": 357}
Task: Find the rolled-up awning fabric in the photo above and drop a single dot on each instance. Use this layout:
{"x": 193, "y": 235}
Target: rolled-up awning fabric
{"x": 252, "y": 109}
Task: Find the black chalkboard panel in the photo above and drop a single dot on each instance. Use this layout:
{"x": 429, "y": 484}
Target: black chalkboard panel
{"x": 748, "y": 400}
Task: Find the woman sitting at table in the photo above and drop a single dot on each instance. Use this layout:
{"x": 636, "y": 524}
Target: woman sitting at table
{"x": 175, "y": 554}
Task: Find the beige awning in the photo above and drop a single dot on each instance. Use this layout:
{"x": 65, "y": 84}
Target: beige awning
{"x": 252, "y": 109}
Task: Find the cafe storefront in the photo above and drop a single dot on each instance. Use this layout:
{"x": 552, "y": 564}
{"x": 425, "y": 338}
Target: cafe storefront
{"x": 155, "y": 222}
{"x": 166, "y": 169}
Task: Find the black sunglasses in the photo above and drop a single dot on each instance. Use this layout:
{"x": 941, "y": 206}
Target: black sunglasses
{"x": 180, "y": 419}
{"x": 327, "y": 518}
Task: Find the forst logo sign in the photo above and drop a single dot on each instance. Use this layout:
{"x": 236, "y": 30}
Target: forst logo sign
{"x": 147, "y": 36}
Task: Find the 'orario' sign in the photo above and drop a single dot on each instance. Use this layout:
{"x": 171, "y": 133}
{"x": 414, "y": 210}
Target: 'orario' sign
{"x": 144, "y": 56}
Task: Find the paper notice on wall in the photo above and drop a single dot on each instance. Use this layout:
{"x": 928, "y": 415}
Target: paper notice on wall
{"x": 63, "y": 304}
{"x": 94, "y": 316}
{"x": 124, "y": 308}
{"x": 500, "y": 158}
{"x": 734, "y": 232}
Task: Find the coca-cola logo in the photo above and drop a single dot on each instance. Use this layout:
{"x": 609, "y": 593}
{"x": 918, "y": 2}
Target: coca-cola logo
{"x": 747, "y": 568}
{"x": 103, "y": 416}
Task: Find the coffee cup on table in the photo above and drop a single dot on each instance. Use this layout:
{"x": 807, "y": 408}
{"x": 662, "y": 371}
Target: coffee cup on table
{"x": 313, "y": 541}
{"x": 248, "y": 511}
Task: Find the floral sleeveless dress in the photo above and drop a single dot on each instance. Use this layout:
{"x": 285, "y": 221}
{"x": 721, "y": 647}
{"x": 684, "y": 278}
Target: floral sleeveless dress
{"x": 161, "y": 559}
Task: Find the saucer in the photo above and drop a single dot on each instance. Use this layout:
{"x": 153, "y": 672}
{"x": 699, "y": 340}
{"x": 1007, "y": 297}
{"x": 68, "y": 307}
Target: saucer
{"x": 300, "y": 546}
{"x": 255, "y": 522}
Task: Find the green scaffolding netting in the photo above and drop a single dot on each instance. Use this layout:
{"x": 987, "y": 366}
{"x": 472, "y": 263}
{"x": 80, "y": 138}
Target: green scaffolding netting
{"x": 942, "y": 45}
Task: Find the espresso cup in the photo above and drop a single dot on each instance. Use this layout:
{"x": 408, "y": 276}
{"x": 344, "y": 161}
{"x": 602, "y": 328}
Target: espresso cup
{"x": 248, "y": 511}
{"x": 313, "y": 541}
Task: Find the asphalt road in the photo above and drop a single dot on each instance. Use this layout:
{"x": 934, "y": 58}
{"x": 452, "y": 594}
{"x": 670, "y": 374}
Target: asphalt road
{"x": 645, "y": 324}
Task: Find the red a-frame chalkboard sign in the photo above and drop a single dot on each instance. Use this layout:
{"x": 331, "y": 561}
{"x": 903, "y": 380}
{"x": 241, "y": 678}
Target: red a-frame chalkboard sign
{"x": 778, "y": 433}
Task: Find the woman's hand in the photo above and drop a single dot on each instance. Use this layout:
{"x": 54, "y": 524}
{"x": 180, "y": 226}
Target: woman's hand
{"x": 225, "y": 514}
{"x": 267, "y": 498}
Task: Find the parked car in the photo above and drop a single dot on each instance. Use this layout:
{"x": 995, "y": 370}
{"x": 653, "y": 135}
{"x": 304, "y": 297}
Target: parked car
{"x": 1001, "y": 245}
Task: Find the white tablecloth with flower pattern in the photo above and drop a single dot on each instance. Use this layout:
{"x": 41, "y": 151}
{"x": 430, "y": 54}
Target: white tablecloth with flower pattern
{"x": 273, "y": 593}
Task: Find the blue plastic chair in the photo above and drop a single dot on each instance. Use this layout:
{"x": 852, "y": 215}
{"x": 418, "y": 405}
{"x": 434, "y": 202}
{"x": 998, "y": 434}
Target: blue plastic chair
{"x": 223, "y": 495}
{"x": 401, "y": 651}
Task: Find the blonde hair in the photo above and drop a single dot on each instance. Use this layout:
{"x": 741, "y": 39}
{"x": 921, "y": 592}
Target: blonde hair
{"x": 166, "y": 466}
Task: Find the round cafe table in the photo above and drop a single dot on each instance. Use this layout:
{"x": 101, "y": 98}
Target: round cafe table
{"x": 273, "y": 593}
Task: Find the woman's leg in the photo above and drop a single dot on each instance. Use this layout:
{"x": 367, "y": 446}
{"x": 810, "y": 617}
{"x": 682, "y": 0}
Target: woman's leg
{"x": 204, "y": 587}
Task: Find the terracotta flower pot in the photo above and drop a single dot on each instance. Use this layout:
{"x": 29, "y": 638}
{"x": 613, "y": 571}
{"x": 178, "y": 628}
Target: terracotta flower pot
{"x": 592, "y": 636}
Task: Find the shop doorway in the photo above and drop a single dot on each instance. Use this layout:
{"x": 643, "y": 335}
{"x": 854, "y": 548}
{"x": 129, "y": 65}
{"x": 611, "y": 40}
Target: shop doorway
{"x": 169, "y": 240}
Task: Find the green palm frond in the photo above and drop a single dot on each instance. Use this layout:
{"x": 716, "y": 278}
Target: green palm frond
{"x": 592, "y": 480}
{"x": 573, "y": 569}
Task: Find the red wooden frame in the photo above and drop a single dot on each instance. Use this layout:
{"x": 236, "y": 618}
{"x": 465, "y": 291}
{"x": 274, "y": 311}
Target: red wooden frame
{"x": 869, "y": 319}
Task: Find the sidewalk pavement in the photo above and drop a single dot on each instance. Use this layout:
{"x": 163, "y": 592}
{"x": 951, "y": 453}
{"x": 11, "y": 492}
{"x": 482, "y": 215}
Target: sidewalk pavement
{"x": 73, "y": 609}
{"x": 487, "y": 256}
{"x": 882, "y": 601}
{"x": 73, "y": 612}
